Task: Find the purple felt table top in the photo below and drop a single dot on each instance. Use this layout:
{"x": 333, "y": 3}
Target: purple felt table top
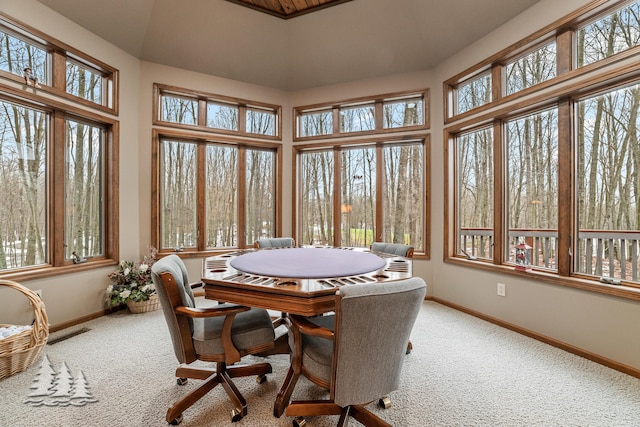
{"x": 307, "y": 263}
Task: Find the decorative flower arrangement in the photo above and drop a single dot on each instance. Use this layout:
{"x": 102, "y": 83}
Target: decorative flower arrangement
{"x": 132, "y": 281}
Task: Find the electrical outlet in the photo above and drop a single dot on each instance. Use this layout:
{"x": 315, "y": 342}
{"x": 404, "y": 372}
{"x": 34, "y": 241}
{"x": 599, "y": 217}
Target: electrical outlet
{"x": 502, "y": 289}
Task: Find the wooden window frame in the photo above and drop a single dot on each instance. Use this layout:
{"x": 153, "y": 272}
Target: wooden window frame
{"x": 202, "y": 140}
{"x": 59, "y": 112}
{"x": 58, "y": 53}
{"x": 379, "y": 142}
{"x": 377, "y": 101}
{"x": 203, "y": 98}
{"x": 563, "y": 31}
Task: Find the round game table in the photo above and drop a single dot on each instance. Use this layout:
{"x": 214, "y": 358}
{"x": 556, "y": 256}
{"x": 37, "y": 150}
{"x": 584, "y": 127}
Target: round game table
{"x": 296, "y": 280}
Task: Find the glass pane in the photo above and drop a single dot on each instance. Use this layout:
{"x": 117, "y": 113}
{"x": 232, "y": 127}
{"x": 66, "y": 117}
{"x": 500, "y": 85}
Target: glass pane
{"x": 316, "y": 197}
{"x": 84, "y": 83}
{"x": 178, "y": 195}
{"x": 222, "y": 116}
{"x": 608, "y": 185}
{"x": 473, "y": 93}
{"x": 260, "y": 195}
{"x": 532, "y": 187}
{"x": 357, "y": 119}
{"x": 23, "y": 188}
{"x": 475, "y": 193}
{"x": 612, "y": 34}
{"x": 317, "y": 123}
{"x": 358, "y": 208}
{"x": 17, "y": 54}
{"x": 404, "y": 113}
{"x": 221, "y": 185}
{"x": 261, "y": 122}
{"x": 403, "y": 205}
{"x": 84, "y": 183}
{"x": 531, "y": 69}
{"x": 179, "y": 110}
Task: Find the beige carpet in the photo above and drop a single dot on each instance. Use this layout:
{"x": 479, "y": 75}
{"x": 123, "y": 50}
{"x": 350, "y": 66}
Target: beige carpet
{"x": 462, "y": 372}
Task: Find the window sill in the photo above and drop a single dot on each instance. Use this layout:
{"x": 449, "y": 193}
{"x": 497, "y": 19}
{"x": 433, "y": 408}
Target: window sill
{"x": 49, "y": 271}
{"x": 622, "y": 291}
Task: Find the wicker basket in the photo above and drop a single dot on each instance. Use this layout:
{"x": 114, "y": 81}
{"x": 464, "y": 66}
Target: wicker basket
{"x": 19, "y": 351}
{"x": 152, "y": 304}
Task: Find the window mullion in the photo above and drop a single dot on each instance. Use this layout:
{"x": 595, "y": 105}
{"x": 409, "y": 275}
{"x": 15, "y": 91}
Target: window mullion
{"x": 500, "y": 204}
{"x": 337, "y": 197}
{"x": 336, "y": 120}
{"x": 564, "y": 52}
{"x": 566, "y": 199}
{"x": 497, "y": 81}
{"x": 242, "y": 206}
{"x": 59, "y": 71}
{"x": 57, "y": 190}
{"x": 201, "y": 213}
{"x": 380, "y": 168}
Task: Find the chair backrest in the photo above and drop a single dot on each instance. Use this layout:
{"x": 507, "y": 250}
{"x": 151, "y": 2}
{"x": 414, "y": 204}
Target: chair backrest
{"x": 369, "y": 349}
{"x": 170, "y": 278}
{"x": 276, "y": 242}
{"x": 393, "y": 248}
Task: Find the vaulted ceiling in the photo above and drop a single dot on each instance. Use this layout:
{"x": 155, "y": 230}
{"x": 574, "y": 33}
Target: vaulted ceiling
{"x": 351, "y": 40}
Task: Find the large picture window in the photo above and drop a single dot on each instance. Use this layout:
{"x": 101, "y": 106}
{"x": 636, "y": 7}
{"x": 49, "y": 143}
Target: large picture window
{"x": 532, "y": 186}
{"x": 378, "y": 194}
{"x": 213, "y": 195}
{"x": 474, "y": 181}
{"x": 36, "y": 232}
{"x": 608, "y": 154}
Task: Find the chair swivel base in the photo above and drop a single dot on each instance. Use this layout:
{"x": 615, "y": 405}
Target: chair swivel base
{"x": 212, "y": 378}
{"x": 301, "y": 409}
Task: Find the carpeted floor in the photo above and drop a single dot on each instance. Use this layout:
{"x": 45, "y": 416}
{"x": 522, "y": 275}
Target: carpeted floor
{"x": 462, "y": 372}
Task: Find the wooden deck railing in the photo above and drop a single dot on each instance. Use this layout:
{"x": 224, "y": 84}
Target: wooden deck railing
{"x": 608, "y": 254}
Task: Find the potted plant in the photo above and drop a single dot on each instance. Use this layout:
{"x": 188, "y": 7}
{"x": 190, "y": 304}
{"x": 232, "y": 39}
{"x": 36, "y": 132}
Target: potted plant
{"x": 131, "y": 284}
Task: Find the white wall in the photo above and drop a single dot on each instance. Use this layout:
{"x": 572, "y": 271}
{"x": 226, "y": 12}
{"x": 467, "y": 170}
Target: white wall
{"x": 596, "y": 323}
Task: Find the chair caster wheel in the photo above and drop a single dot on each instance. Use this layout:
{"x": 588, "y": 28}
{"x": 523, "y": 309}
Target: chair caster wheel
{"x": 299, "y": 422}
{"x": 261, "y": 379}
{"x": 182, "y": 381}
{"x": 385, "y": 402}
{"x": 177, "y": 420}
{"x": 236, "y": 416}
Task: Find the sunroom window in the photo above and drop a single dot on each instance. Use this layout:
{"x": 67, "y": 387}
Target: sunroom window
{"x": 475, "y": 184}
{"x": 609, "y": 35}
{"x": 532, "y": 186}
{"x": 473, "y": 93}
{"x": 535, "y": 67}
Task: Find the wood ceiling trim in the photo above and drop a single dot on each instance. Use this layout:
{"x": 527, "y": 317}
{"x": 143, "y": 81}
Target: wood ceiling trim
{"x": 287, "y": 9}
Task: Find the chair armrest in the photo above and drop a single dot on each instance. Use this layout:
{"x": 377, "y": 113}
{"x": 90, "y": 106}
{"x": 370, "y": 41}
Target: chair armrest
{"x": 220, "y": 310}
{"x": 307, "y": 327}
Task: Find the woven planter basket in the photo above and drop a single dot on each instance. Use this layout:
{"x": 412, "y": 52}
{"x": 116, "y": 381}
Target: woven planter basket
{"x": 152, "y": 304}
{"x": 19, "y": 351}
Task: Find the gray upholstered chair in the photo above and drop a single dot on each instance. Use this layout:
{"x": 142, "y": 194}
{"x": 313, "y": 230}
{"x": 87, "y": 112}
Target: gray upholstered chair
{"x": 275, "y": 242}
{"x": 343, "y": 354}
{"x": 399, "y": 250}
{"x": 221, "y": 334}
{"x": 393, "y": 248}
